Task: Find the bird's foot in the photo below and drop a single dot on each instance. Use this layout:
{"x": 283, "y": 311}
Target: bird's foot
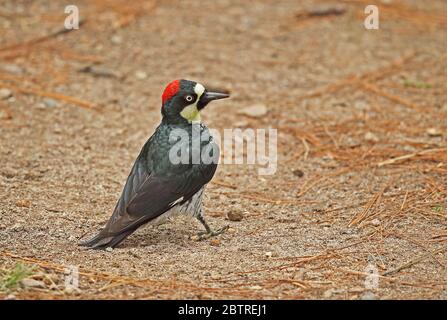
{"x": 203, "y": 235}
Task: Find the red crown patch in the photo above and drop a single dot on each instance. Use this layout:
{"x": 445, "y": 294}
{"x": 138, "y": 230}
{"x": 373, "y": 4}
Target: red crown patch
{"x": 170, "y": 90}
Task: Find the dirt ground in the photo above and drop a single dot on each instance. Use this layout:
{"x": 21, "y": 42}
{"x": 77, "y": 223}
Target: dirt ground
{"x": 361, "y": 180}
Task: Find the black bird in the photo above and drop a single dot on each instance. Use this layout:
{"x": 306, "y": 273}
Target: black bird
{"x": 170, "y": 173}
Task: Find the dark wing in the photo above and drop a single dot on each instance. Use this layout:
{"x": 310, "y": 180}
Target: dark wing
{"x": 146, "y": 196}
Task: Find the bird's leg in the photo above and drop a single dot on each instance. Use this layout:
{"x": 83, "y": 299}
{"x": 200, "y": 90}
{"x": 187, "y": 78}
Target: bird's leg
{"x": 208, "y": 233}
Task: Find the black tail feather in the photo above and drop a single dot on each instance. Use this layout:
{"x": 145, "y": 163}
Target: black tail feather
{"x": 101, "y": 241}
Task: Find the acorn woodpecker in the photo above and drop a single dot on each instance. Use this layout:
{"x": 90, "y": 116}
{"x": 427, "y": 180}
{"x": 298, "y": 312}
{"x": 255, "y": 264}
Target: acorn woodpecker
{"x": 163, "y": 181}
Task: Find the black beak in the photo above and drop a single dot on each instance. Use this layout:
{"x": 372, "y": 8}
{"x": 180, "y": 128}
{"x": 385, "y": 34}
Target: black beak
{"x": 208, "y": 96}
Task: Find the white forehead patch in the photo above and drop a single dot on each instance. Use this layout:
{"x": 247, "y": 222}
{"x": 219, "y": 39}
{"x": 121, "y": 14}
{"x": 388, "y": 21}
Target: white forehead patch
{"x": 199, "y": 89}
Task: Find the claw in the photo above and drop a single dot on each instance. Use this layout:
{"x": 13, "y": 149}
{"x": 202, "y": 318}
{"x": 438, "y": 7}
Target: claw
{"x": 208, "y": 234}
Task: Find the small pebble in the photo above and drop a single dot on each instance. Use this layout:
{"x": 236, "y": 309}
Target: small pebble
{"x": 109, "y": 249}
{"x": 328, "y": 293}
{"x": 41, "y": 106}
{"x": 256, "y": 111}
{"x": 357, "y": 290}
{"x": 31, "y": 283}
{"x": 234, "y": 216}
{"x": 433, "y": 132}
{"x": 215, "y": 242}
{"x": 5, "y": 115}
{"x": 5, "y": 93}
{"x": 23, "y": 203}
{"x": 140, "y": 75}
{"x": 371, "y": 137}
{"x": 215, "y": 276}
{"x": 299, "y": 173}
{"x": 50, "y": 102}
{"x": 116, "y": 39}
{"x": 71, "y": 290}
{"x": 368, "y": 296}
{"x": 12, "y": 68}
{"x": 375, "y": 222}
{"x": 241, "y": 123}
{"x": 17, "y": 227}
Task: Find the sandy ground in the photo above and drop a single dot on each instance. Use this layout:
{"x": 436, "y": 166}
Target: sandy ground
{"x": 343, "y": 99}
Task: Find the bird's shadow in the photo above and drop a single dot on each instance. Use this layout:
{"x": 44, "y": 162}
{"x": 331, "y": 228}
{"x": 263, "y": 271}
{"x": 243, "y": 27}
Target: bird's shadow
{"x": 152, "y": 237}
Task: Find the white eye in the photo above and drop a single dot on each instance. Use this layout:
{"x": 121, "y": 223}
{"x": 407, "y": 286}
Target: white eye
{"x": 189, "y": 98}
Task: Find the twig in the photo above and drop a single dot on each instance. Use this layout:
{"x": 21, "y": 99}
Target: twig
{"x": 54, "y": 95}
{"x": 310, "y": 185}
{"x": 223, "y": 184}
{"x": 306, "y": 148}
{"x": 411, "y": 155}
{"x": 356, "y": 79}
{"x": 296, "y": 263}
{"x": 331, "y": 136}
{"x": 295, "y": 282}
{"x": 321, "y": 12}
{"x": 373, "y": 88}
{"x": 414, "y": 261}
{"x": 39, "y": 39}
{"x": 404, "y": 202}
{"x": 273, "y": 201}
{"x": 363, "y": 215}
{"x": 440, "y": 237}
